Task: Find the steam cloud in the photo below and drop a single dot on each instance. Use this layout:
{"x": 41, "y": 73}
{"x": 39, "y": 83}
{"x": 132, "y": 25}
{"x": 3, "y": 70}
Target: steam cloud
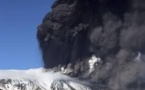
{"x": 110, "y": 29}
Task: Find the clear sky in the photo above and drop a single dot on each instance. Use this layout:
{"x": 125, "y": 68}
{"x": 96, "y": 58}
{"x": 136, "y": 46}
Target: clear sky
{"x": 19, "y": 19}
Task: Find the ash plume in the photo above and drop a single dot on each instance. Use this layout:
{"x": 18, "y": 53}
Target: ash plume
{"x": 112, "y": 30}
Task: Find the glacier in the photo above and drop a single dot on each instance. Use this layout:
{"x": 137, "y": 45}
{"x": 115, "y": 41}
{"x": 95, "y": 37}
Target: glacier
{"x": 39, "y": 79}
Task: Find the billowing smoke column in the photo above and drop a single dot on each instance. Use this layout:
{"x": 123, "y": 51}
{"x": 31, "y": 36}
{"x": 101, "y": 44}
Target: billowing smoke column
{"x": 113, "y": 30}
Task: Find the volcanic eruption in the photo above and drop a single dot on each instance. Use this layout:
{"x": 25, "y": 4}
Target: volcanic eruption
{"x": 87, "y": 45}
{"x": 111, "y": 30}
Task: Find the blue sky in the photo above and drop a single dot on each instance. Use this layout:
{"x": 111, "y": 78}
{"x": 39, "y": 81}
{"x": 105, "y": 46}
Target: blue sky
{"x": 19, "y": 19}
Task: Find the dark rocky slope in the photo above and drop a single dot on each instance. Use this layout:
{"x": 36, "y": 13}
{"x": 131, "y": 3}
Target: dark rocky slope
{"x": 110, "y": 29}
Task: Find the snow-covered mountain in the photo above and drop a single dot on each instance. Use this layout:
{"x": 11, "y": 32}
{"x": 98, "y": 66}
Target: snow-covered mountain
{"x": 38, "y": 79}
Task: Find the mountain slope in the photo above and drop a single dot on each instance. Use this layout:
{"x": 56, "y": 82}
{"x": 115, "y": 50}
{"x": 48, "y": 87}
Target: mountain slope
{"x": 38, "y": 79}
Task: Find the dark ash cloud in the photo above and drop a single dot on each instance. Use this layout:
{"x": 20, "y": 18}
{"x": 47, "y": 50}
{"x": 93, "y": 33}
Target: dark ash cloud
{"x": 110, "y": 29}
